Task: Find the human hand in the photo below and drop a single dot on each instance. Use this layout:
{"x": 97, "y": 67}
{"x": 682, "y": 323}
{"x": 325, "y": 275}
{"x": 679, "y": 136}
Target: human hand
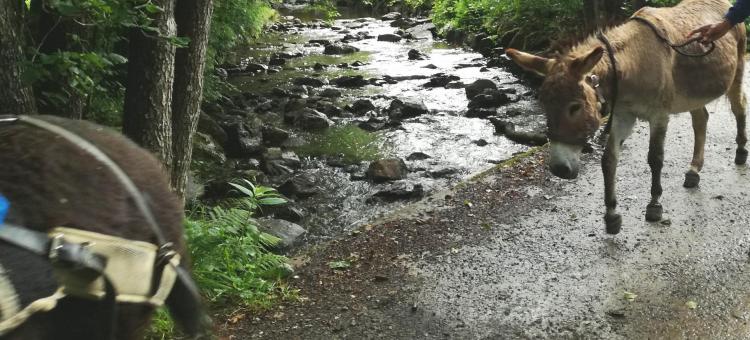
{"x": 711, "y": 32}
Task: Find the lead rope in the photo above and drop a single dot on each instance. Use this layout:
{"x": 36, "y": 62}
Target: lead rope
{"x": 615, "y": 82}
{"x": 676, "y": 47}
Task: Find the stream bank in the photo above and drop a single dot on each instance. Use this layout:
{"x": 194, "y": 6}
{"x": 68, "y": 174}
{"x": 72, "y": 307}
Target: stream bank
{"x": 355, "y": 118}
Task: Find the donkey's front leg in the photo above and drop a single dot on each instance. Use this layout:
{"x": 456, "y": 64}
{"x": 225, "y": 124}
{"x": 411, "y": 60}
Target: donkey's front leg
{"x": 622, "y": 125}
{"x": 656, "y": 162}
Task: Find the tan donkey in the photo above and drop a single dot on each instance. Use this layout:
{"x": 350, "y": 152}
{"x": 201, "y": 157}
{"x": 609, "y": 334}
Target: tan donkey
{"x": 652, "y": 80}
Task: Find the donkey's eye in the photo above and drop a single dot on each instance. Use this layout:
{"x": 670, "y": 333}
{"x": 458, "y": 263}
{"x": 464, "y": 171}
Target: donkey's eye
{"x": 574, "y": 108}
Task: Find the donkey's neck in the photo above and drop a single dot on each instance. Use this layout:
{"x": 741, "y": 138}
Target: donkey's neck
{"x": 624, "y": 45}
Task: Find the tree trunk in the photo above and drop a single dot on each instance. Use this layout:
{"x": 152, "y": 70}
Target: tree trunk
{"x": 15, "y": 96}
{"x": 194, "y": 22}
{"x": 147, "y": 118}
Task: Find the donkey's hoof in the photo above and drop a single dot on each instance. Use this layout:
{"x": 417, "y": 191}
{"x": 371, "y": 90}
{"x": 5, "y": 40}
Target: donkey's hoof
{"x": 613, "y": 222}
{"x": 692, "y": 179}
{"x": 741, "y": 157}
{"x": 654, "y": 212}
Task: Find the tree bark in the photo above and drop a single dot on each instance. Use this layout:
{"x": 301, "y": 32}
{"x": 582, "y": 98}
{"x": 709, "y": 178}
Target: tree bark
{"x": 194, "y": 22}
{"x": 15, "y": 96}
{"x": 147, "y": 117}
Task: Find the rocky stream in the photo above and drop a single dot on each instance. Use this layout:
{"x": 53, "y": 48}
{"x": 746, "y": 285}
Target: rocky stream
{"x": 354, "y": 118}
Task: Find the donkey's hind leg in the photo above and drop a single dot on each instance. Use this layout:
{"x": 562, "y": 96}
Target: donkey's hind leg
{"x": 700, "y": 120}
{"x": 738, "y": 102}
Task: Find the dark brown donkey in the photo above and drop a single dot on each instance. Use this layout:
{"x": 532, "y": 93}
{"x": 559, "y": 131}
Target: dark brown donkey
{"x": 51, "y": 182}
{"x": 654, "y": 81}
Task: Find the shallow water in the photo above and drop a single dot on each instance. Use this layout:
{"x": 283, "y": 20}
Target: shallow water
{"x": 444, "y": 134}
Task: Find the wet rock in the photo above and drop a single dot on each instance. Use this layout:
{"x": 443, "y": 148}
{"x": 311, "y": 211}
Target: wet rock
{"x": 309, "y": 119}
{"x": 478, "y": 87}
{"x": 287, "y": 212}
{"x": 455, "y": 35}
{"x": 362, "y": 106}
{"x": 294, "y": 105}
{"x": 455, "y": 85}
{"x": 206, "y": 149}
{"x": 430, "y": 66}
{"x": 480, "y": 142}
{"x": 418, "y": 156}
{"x": 401, "y": 190}
{"x": 416, "y": 55}
{"x": 441, "y": 80}
{"x": 391, "y": 16}
{"x": 240, "y": 143}
{"x": 286, "y": 55}
{"x": 309, "y": 81}
{"x": 329, "y": 109}
{"x": 443, "y": 173}
{"x": 274, "y": 136}
{"x": 489, "y": 99}
{"x": 256, "y": 68}
{"x": 300, "y": 186}
{"x": 358, "y": 64}
{"x": 277, "y": 162}
{"x": 403, "y": 23}
{"x": 483, "y": 44}
{"x": 404, "y": 110}
{"x": 350, "y": 81}
{"x": 322, "y": 42}
{"x": 221, "y": 73}
{"x": 373, "y": 124}
{"x": 246, "y": 164}
{"x": 277, "y": 62}
{"x": 390, "y": 37}
{"x": 335, "y": 49}
{"x": 508, "y": 129}
{"x": 289, "y": 233}
{"x": 422, "y": 32}
{"x": 385, "y": 170}
{"x": 481, "y": 113}
{"x": 330, "y": 93}
{"x": 319, "y": 67}
{"x": 209, "y": 126}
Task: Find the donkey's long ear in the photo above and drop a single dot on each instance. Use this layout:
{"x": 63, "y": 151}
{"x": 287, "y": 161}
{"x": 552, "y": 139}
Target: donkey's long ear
{"x": 530, "y": 62}
{"x": 583, "y": 65}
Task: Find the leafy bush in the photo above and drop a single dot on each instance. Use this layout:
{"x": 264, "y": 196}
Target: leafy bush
{"x": 231, "y": 257}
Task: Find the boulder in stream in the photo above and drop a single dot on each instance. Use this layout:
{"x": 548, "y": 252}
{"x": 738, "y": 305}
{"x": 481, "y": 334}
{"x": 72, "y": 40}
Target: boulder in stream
{"x": 401, "y": 190}
{"x": 335, "y": 49}
{"x": 384, "y": 170}
{"x": 478, "y": 87}
{"x": 390, "y": 37}
{"x": 350, "y": 81}
{"x": 391, "y": 16}
{"x": 309, "y": 81}
{"x": 406, "y": 109}
{"x": 289, "y": 233}
{"x": 416, "y": 55}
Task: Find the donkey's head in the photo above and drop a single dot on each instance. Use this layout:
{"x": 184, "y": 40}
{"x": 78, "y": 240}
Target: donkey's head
{"x": 569, "y": 99}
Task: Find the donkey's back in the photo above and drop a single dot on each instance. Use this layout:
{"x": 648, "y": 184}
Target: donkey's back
{"x": 51, "y": 182}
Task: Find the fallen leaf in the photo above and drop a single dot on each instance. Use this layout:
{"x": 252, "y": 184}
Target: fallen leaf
{"x": 339, "y": 265}
{"x": 691, "y": 304}
{"x": 629, "y": 296}
{"x": 468, "y": 203}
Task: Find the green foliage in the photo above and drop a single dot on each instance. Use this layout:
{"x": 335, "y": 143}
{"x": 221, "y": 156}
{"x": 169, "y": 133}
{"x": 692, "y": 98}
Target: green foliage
{"x": 349, "y": 141}
{"x": 230, "y": 254}
{"x": 231, "y": 258}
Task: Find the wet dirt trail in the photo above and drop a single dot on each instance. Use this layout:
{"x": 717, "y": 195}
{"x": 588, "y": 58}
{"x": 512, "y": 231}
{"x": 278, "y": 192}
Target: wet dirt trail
{"x": 517, "y": 253}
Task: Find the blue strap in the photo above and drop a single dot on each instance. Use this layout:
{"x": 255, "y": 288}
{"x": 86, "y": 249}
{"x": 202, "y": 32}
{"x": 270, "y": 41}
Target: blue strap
{"x": 4, "y": 206}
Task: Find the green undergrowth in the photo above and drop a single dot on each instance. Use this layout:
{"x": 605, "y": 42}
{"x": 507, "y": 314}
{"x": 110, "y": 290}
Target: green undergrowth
{"x": 232, "y": 261}
{"x": 347, "y": 141}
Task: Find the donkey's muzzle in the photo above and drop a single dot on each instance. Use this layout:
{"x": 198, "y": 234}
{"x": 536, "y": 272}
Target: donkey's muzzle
{"x": 564, "y": 171}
